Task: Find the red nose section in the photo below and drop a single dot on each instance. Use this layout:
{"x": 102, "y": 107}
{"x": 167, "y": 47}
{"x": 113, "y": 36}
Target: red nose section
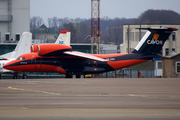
{"x": 10, "y": 65}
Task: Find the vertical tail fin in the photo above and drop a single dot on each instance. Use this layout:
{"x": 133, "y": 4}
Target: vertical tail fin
{"x": 23, "y": 45}
{"x": 63, "y": 38}
{"x": 153, "y": 41}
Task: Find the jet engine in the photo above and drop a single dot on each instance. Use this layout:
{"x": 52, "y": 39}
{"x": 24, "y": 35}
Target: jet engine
{"x": 52, "y": 49}
{"x": 34, "y": 48}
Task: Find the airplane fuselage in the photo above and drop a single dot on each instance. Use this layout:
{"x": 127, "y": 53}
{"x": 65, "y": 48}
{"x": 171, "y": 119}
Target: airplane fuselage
{"x": 67, "y": 64}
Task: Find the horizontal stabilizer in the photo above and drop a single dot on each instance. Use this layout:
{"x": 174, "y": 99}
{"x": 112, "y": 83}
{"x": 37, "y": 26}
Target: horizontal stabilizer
{"x": 164, "y": 28}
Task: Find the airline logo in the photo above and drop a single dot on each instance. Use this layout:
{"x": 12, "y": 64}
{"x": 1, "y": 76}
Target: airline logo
{"x": 155, "y": 40}
{"x": 61, "y": 42}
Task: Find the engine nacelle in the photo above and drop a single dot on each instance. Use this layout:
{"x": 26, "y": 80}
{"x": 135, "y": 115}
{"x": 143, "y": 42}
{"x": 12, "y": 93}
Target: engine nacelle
{"x": 52, "y": 49}
{"x": 34, "y": 48}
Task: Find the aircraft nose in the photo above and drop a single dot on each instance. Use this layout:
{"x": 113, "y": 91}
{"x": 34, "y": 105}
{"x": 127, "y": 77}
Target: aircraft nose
{"x": 9, "y": 65}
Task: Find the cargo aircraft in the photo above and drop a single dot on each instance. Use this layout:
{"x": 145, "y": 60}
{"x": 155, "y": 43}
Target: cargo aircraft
{"x": 61, "y": 59}
{"x": 22, "y": 47}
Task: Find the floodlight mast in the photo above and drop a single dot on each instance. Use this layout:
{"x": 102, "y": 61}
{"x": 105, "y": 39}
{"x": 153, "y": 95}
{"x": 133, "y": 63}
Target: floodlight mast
{"x": 95, "y": 24}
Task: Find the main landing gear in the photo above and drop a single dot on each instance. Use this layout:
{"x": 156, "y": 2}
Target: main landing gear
{"x": 77, "y": 75}
{"x": 16, "y": 76}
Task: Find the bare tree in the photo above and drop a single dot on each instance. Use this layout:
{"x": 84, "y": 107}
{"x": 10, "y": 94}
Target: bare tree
{"x": 35, "y": 23}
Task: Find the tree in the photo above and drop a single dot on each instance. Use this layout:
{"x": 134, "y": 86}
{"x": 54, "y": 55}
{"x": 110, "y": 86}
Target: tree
{"x": 35, "y": 23}
{"x": 159, "y": 17}
{"x": 70, "y": 27}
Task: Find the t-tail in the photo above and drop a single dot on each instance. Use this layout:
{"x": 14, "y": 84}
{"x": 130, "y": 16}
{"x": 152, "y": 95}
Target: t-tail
{"x": 153, "y": 41}
{"x": 63, "y": 38}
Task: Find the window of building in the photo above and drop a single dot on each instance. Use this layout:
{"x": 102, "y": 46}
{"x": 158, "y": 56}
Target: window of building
{"x": 17, "y": 37}
{"x": 166, "y": 51}
{"x": 173, "y": 49}
{"x": 7, "y": 36}
{"x": 178, "y": 67}
{"x": 160, "y": 65}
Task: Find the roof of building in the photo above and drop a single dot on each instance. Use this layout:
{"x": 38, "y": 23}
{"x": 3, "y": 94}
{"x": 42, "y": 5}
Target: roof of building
{"x": 45, "y": 30}
{"x": 171, "y": 56}
{"x": 43, "y": 26}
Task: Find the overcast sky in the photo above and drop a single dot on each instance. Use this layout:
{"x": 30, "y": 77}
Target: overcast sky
{"x": 109, "y": 8}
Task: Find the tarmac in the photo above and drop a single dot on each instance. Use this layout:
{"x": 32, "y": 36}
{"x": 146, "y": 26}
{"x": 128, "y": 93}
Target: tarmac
{"x": 90, "y": 99}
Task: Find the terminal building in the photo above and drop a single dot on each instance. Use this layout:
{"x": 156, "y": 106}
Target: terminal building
{"x": 14, "y": 19}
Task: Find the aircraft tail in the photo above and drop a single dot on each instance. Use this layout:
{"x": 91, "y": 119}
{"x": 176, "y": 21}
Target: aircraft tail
{"x": 63, "y": 38}
{"x": 153, "y": 41}
{"x": 23, "y": 45}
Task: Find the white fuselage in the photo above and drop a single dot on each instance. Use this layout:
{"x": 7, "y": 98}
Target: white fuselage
{"x": 3, "y": 62}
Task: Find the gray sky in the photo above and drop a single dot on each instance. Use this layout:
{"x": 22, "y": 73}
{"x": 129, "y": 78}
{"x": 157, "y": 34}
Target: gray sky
{"x": 109, "y": 8}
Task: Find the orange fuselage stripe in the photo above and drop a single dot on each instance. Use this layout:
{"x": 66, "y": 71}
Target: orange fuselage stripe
{"x": 124, "y": 63}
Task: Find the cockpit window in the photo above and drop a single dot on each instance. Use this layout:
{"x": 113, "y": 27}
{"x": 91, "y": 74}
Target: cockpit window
{"x": 21, "y": 58}
{"x": 18, "y": 58}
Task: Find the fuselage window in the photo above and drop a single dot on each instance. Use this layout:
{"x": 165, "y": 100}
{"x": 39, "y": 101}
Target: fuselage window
{"x": 24, "y": 58}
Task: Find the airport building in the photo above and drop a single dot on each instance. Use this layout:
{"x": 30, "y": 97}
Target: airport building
{"x": 45, "y": 33}
{"x": 14, "y": 19}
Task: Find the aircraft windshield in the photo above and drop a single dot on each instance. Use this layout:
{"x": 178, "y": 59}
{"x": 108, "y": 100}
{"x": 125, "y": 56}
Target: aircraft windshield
{"x": 21, "y": 58}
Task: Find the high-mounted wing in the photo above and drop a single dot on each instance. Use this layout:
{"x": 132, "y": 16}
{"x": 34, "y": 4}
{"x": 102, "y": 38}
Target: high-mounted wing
{"x": 84, "y": 55}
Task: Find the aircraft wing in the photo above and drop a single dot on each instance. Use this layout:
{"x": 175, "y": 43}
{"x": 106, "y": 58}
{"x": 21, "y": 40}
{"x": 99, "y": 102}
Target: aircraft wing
{"x": 1, "y": 58}
{"x": 84, "y": 55}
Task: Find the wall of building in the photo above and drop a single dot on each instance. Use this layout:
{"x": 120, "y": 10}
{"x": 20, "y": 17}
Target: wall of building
{"x": 134, "y": 37}
{"x": 14, "y": 18}
{"x": 167, "y": 68}
{"x": 170, "y": 67}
